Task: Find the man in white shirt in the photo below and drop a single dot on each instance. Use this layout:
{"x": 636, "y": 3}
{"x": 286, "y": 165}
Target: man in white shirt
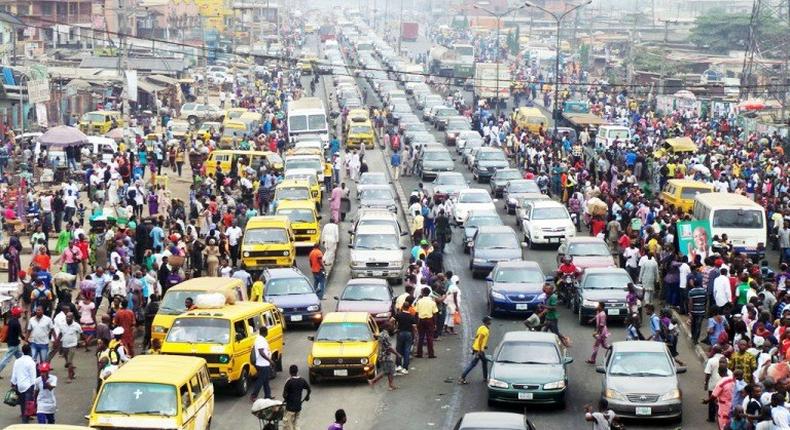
{"x": 263, "y": 363}
{"x": 722, "y": 294}
{"x": 46, "y": 405}
{"x": 39, "y": 329}
{"x": 684, "y": 271}
{"x": 779, "y": 413}
{"x": 23, "y": 376}
{"x": 234, "y": 233}
{"x": 632, "y": 255}
{"x": 69, "y": 338}
{"x": 330, "y": 236}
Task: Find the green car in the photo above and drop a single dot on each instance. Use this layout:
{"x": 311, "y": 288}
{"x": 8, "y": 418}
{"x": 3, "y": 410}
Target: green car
{"x": 529, "y": 367}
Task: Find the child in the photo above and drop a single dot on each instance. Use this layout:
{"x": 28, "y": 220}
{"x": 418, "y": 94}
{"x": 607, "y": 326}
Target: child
{"x": 156, "y": 347}
{"x": 739, "y": 421}
{"x": 86, "y": 309}
{"x": 632, "y": 328}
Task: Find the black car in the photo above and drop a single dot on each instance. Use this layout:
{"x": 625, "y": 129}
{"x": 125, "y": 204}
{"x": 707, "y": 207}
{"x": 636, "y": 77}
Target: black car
{"x": 501, "y": 178}
{"x": 434, "y": 159}
{"x": 487, "y": 161}
{"x": 607, "y": 285}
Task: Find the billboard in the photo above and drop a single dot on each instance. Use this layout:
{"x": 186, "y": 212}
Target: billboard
{"x": 694, "y": 238}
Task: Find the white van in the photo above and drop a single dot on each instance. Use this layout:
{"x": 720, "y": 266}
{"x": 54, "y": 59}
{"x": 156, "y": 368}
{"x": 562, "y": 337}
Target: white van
{"x": 609, "y": 133}
{"x": 741, "y": 219}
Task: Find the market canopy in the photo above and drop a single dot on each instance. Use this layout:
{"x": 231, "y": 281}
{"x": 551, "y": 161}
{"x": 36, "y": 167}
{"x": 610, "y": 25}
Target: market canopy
{"x": 63, "y": 136}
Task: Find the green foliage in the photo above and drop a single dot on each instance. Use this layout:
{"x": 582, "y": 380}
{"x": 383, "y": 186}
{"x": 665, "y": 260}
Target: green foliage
{"x": 719, "y": 32}
{"x": 584, "y": 55}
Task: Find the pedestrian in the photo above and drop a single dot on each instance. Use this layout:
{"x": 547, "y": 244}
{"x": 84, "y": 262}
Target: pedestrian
{"x": 334, "y": 203}
{"x": 45, "y": 384}
{"x": 697, "y": 306}
{"x": 292, "y": 397}
{"x": 263, "y": 365}
{"x": 602, "y": 419}
{"x": 340, "y": 420}
{"x": 387, "y": 356}
{"x": 479, "y": 346}
{"x": 116, "y": 350}
{"x": 39, "y": 330}
{"x": 316, "y": 258}
{"x": 23, "y": 378}
{"x": 68, "y": 339}
{"x": 452, "y": 300}
{"x": 601, "y": 332}
{"x": 648, "y": 276}
{"x": 715, "y": 369}
{"x": 13, "y": 337}
{"x": 426, "y": 311}
{"x": 125, "y": 318}
{"x": 406, "y": 324}
{"x": 548, "y": 311}
{"x": 395, "y": 163}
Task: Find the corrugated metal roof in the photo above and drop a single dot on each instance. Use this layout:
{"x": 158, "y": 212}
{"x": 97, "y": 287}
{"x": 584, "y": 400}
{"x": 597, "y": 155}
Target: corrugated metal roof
{"x": 163, "y": 65}
{"x": 148, "y": 86}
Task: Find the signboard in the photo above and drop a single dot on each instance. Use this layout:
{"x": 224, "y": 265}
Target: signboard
{"x": 694, "y": 238}
{"x": 131, "y": 85}
{"x": 38, "y": 90}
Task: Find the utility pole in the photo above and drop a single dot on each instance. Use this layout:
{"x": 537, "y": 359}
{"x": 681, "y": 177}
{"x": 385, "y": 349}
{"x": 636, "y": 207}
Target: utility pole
{"x": 400, "y": 28}
{"x": 123, "y": 60}
{"x": 665, "y": 54}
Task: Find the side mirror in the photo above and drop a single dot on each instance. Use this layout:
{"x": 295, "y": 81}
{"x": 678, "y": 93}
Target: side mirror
{"x": 351, "y": 232}
{"x": 311, "y": 338}
{"x": 351, "y": 246}
{"x": 318, "y": 217}
{"x": 680, "y": 369}
{"x": 600, "y": 369}
{"x": 489, "y": 279}
{"x": 489, "y": 357}
{"x": 335, "y": 297}
{"x": 568, "y": 360}
{"x": 404, "y": 233}
{"x": 402, "y": 247}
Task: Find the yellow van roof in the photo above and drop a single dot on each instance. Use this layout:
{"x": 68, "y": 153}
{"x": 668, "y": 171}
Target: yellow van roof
{"x": 296, "y": 204}
{"x": 682, "y": 144}
{"x": 689, "y": 183}
{"x": 294, "y": 182}
{"x": 158, "y": 369}
{"x": 230, "y": 311}
{"x": 44, "y": 427}
{"x": 336, "y": 317}
{"x": 267, "y": 221}
{"x": 206, "y": 283}
{"x": 234, "y": 123}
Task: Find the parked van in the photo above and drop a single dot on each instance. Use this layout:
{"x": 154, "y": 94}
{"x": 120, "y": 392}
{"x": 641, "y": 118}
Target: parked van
{"x": 268, "y": 242}
{"x": 741, "y": 219}
{"x": 224, "y": 337}
{"x": 676, "y": 145}
{"x": 531, "y": 119}
{"x": 304, "y": 221}
{"x": 680, "y": 193}
{"x": 100, "y": 122}
{"x": 155, "y": 392}
{"x": 233, "y": 131}
{"x": 172, "y": 304}
{"x": 255, "y": 159}
{"x": 609, "y": 133}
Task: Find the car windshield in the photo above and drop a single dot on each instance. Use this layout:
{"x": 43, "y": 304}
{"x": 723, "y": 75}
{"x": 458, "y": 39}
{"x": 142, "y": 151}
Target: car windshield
{"x": 436, "y": 156}
{"x": 372, "y": 179}
{"x": 451, "y": 180}
{"x": 344, "y": 332}
{"x": 611, "y": 281}
{"x": 506, "y": 175}
{"x": 93, "y": 117}
{"x": 293, "y": 193}
{"x": 298, "y": 215}
{"x": 640, "y": 364}
{"x": 303, "y": 164}
{"x": 384, "y": 241}
{"x": 173, "y": 302}
{"x": 288, "y": 287}
{"x": 199, "y": 330}
{"x": 491, "y": 156}
{"x": 474, "y": 198}
{"x": 265, "y": 235}
{"x": 550, "y": 213}
{"x": 592, "y": 249}
{"x": 690, "y": 192}
{"x": 496, "y": 241}
{"x": 376, "y": 293}
{"x": 458, "y": 125}
{"x": 181, "y": 127}
{"x": 737, "y": 218}
{"x": 509, "y": 275}
{"x": 361, "y": 129}
{"x": 234, "y": 132}
{"x": 478, "y": 221}
{"x": 524, "y": 187}
{"x": 137, "y": 398}
{"x": 528, "y": 353}
{"x": 375, "y": 194}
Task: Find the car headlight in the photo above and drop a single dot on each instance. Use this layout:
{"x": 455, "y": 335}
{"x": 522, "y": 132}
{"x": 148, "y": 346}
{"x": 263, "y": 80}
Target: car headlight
{"x": 159, "y": 329}
{"x": 558, "y": 385}
{"x": 310, "y": 231}
{"x": 357, "y": 263}
{"x": 281, "y": 310}
{"x": 312, "y": 308}
{"x": 286, "y": 253}
{"x": 363, "y": 361}
{"x": 382, "y": 315}
{"x": 316, "y": 362}
{"x": 671, "y": 395}
{"x": 589, "y": 303}
{"x": 613, "y": 394}
{"x": 496, "y": 383}
{"x": 224, "y": 358}
{"x": 245, "y": 254}
{"x": 497, "y": 295}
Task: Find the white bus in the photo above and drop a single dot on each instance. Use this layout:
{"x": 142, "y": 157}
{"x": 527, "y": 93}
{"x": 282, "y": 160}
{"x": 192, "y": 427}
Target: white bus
{"x": 307, "y": 117}
{"x": 741, "y": 219}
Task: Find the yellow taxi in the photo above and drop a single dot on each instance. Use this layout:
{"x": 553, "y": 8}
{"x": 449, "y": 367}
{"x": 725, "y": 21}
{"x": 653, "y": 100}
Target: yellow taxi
{"x": 233, "y": 114}
{"x": 304, "y": 221}
{"x": 303, "y": 160}
{"x": 360, "y": 133}
{"x": 45, "y": 427}
{"x": 173, "y": 303}
{"x": 224, "y": 159}
{"x": 344, "y": 347}
{"x": 530, "y": 118}
{"x": 205, "y": 130}
{"x": 233, "y": 132}
{"x": 155, "y": 392}
{"x": 268, "y": 242}
{"x": 292, "y": 189}
{"x": 179, "y": 129}
{"x": 100, "y": 121}
{"x": 316, "y": 190}
{"x": 224, "y": 337}
{"x": 676, "y": 145}
{"x": 680, "y": 193}
{"x": 252, "y": 119}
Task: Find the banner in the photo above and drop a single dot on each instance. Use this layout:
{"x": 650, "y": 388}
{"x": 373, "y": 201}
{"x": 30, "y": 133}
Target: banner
{"x": 38, "y": 91}
{"x": 694, "y": 238}
{"x": 131, "y": 85}
{"x": 41, "y": 115}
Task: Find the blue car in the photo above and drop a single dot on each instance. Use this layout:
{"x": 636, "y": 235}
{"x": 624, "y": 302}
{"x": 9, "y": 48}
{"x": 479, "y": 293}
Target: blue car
{"x": 515, "y": 288}
{"x": 291, "y": 291}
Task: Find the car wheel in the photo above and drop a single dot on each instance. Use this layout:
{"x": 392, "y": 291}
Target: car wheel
{"x": 530, "y": 244}
{"x": 491, "y": 403}
{"x": 240, "y": 387}
{"x": 491, "y": 309}
{"x": 313, "y": 379}
{"x": 579, "y": 313}
{"x": 574, "y": 307}
{"x": 561, "y": 403}
{"x": 192, "y": 120}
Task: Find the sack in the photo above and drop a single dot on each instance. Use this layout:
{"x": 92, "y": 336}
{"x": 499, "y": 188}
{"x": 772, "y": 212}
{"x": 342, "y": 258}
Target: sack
{"x": 457, "y": 318}
{"x": 30, "y": 408}
{"x": 11, "y": 398}
{"x": 4, "y": 333}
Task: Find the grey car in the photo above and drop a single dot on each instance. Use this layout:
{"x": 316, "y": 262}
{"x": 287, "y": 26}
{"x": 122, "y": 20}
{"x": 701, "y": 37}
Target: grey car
{"x": 501, "y": 178}
{"x": 476, "y": 220}
{"x": 493, "y": 421}
{"x": 491, "y": 245}
{"x": 434, "y": 160}
{"x": 487, "y": 162}
{"x": 515, "y": 191}
{"x": 447, "y": 185}
{"x": 606, "y": 285}
{"x": 377, "y": 196}
{"x": 640, "y": 381}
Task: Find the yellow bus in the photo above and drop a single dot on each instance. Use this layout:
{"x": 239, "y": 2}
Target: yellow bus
{"x": 530, "y": 118}
{"x": 268, "y": 242}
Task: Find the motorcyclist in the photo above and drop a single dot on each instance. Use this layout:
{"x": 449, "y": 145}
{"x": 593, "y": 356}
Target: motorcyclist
{"x": 567, "y": 268}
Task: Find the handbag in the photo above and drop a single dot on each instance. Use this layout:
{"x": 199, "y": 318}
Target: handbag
{"x": 30, "y": 408}
{"x": 4, "y": 333}
{"x": 457, "y": 318}
{"x": 11, "y": 398}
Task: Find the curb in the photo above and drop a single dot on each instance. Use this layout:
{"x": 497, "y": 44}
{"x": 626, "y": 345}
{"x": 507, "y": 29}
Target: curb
{"x": 683, "y": 327}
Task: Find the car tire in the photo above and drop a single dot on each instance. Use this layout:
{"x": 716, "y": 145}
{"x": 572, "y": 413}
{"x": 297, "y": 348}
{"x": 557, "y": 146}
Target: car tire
{"x": 192, "y": 120}
{"x": 490, "y": 308}
{"x": 561, "y": 404}
{"x": 240, "y": 387}
{"x": 574, "y": 307}
{"x": 581, "y": 318}
{"x": 530, "y": 243}
{"x": 313, "y": 379}
{"x": 491, "y": 403}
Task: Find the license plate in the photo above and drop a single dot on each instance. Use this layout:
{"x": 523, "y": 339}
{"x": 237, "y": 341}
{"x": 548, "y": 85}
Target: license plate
{"x": 644, "y": 410}
{"x": 296, "y": 317}
{"x": 525, "y": 396}
{"x": 344, "y": 372}
{"x": 521, "y": 307}
{"x": 554, "y": 239}
{"x": 613, "y": 312}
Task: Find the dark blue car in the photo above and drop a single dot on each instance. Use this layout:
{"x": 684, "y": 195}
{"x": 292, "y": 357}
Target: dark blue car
{"x": 291, "y": 291}
{"x": 515, "y": 288}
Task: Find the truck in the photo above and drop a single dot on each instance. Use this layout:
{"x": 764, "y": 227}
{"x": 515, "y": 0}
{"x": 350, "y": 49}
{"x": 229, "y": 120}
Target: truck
{"x": 326, "y": 32}
{"x": 451, "y": 62}
{"x": 486, "y": 81}
{"x": 409, "y": 31}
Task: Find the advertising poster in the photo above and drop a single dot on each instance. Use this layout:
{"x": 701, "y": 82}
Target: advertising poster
{"x": 694, "y": 238}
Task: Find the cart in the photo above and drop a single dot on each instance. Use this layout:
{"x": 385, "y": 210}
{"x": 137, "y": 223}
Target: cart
{"x": 269, "y": 413}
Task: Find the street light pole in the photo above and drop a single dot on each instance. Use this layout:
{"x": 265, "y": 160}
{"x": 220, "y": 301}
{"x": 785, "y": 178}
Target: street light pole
{"x": 558, "y": 19}
{"x": 499, "y": 16}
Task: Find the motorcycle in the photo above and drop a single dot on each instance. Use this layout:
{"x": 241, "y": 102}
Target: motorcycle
{"x": 565, "y": 289}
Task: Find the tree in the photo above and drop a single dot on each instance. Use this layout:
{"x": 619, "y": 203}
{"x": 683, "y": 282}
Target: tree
{"x": 720, "y": 32}
{"x": 514, "y": 47}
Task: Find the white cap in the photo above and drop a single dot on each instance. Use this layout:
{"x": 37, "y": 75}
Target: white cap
{"x": 117, "y": 331}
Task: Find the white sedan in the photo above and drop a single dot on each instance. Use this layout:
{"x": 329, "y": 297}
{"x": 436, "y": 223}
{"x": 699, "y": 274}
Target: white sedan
{"x": 472, "y": 199}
